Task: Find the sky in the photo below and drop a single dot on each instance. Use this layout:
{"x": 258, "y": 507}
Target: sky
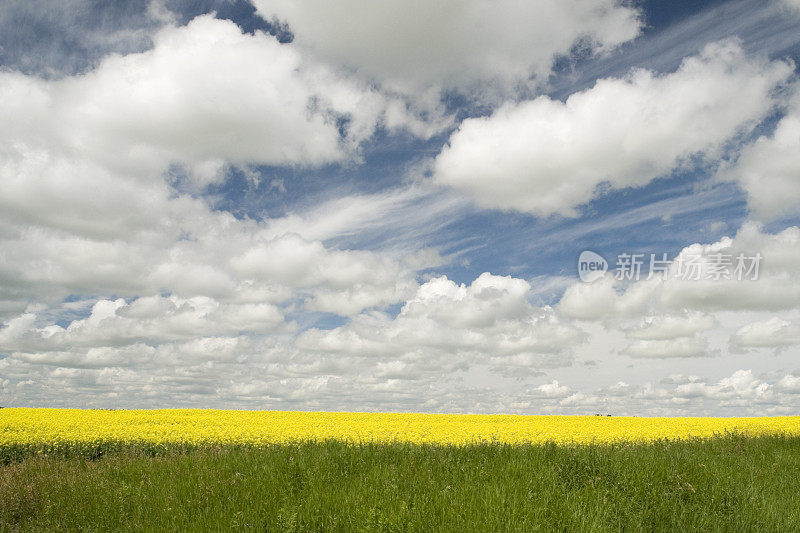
{"x": 352, "y": 206}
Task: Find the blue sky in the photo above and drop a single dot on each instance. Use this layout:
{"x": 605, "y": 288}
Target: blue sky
{"x": 291, "y": 205}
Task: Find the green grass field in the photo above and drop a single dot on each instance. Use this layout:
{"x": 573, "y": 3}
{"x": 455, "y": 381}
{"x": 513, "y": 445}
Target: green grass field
{"x": 724, "y": 484}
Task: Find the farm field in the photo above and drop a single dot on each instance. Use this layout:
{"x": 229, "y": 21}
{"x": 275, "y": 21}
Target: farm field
{"x": 70, "y": 428}
{"x": 386, "y": 473}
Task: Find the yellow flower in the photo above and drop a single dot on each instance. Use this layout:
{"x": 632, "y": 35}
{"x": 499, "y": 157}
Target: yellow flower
{"x": 74, "y": 427}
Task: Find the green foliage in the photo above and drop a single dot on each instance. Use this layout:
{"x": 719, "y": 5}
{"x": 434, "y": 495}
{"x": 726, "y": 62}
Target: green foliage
{"x": 729, "y": 483}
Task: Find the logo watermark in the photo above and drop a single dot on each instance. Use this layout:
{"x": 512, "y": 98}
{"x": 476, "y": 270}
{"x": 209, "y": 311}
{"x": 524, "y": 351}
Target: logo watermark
{"x": 591, "y": 266}
{"x": 686, "y": 267}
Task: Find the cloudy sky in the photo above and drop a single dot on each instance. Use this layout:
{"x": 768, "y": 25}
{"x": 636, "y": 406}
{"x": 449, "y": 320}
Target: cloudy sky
{"x": 380, "y": 206}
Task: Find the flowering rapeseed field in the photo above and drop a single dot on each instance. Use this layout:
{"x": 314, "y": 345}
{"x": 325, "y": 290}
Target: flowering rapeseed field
{"x": 60, "y": 427}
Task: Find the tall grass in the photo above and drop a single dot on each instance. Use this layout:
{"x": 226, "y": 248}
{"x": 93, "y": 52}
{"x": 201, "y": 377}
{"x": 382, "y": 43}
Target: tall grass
{"x": 728, "y": 483}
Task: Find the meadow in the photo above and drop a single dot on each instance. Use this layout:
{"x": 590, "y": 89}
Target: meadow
{"x": 388, "y": 474}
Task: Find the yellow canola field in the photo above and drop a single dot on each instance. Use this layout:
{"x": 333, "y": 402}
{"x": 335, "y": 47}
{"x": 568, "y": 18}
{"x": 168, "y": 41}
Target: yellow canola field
{"x": 32, "y": 427}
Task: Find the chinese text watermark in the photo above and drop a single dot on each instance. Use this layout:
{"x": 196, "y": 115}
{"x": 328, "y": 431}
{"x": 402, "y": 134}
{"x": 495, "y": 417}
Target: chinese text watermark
{"x": 685, "y": 267}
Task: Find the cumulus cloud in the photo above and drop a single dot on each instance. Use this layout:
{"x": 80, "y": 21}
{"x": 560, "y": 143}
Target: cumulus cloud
{"x": 138, "y": 351}
{"x": 741, "y": 392}
{"x": 241, "y": 349}
{"x": 776, "y": 288}
{"x": 446, "y": 326}
{"x": 152, "y": 320}
{"x": 418, "y": 46}
{"x": 228, "y": 260}
{"x": 740, "y": 388}
{"x": 690, "y": 316}
{"x": 789, "y": 384}
{"x": 773, "y": 333}
{"x": 666, "y": 327}
{"x": 97, "y": 155}
{"x": 88, "y": 165}
{"x": 545, "y": 156}
{"x": 665, "y": 349}
{"x": 203, "y": 301}
{"x": 204, "y": 94}
{"x": 553, "y": 390}
{"x": 669, "y": 335}
{"x": 769, "y": 169}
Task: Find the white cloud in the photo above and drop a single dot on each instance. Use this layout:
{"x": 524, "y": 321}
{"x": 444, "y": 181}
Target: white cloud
{"x": 669, "y": 335}
{"x": 238, "y": 350}
{"x": 416, "y": 46}
{"x": 769, "y": 169}
{"x": 553, "y": 390}
{"x": 201, "y": 253}
{"x": 777, "y": 286}
{"x": 737, "y": 394}
{"x": 741, "y": 387}
{"x": 681, "y": 317}
{"x": 89, "y": 206}
{"x": 141, "y": 352}
{"x": 399, "y": 217}
{"x": 450, "y": 326}
{"x": 88, "y": 210}
{"x": 772, "y": 333}
{"x": 666, "y": 327}
{"x": 138, "y": 351}
{"x": 789, "y": 384}
{"x": 665, "y": 349}
{"x": 153, "y": 320}
{"x": 544, "y": 156}
{"x": 205, "y": 93}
